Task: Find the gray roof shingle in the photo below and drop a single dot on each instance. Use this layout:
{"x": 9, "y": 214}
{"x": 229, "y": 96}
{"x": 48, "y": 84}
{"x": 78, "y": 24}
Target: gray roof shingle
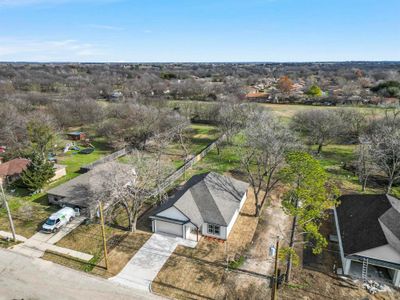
{"x": 360, "y": 218}
{"x": 208, "y": 198}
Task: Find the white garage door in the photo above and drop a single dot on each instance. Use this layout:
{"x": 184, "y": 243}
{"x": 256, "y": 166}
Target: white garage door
{"x": 170, "y": 228}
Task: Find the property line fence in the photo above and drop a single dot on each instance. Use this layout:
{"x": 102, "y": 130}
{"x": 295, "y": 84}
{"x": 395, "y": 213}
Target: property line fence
{"x": 105, "y": 159}
{"x": 171, "y": 179}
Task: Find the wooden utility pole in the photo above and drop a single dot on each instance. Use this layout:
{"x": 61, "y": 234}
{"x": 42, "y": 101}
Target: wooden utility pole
{"x": 10, "y": 220}
{"x": 103, "y": 233}
{"x": 274, "y": 292}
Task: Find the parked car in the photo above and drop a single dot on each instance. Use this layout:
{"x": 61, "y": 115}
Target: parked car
{"x": 59, "y": 219}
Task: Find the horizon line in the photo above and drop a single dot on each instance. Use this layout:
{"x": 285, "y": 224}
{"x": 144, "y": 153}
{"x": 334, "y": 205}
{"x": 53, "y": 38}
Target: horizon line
{"x": 198, "y": 62}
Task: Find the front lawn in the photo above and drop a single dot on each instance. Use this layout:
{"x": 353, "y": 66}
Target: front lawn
{"x": 122, "y": 246}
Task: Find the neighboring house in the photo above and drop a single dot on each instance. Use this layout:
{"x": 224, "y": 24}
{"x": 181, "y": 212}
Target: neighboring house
{"x": 207, "y": 204}
{"x": 368, "y": 229}
{"x": 258, "y": 96}
{"x": 79, "y": 192}
{"x": 11, "y": 171}
{"x": 76, "y": 136}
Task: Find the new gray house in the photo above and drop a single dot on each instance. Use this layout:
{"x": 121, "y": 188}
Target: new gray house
{"x": 207, "y": 204}
{"x": 368, "y": 229}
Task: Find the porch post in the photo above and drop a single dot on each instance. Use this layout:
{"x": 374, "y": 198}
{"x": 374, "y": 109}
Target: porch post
{"x": 396, "y": 278}
{"x": 346, "y": 266}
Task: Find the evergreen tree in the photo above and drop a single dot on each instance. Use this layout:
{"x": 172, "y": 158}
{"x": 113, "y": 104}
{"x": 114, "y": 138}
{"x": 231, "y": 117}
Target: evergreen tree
{"x": 38, "y": 173}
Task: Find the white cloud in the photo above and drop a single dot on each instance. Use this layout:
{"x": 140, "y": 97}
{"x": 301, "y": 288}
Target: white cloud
{"x": 12, "y": 49}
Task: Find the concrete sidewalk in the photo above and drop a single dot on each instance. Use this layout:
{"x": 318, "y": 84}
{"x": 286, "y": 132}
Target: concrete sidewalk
{"x": 37, "y": 245}
{"x": 31, "y": 278}
{"x": 8, "y": 235}
{"x": 148, "y": 261}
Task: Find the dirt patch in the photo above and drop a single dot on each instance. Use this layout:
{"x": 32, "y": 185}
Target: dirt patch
{"x": 273, "y": 222}
{"x": 309, "y": 284}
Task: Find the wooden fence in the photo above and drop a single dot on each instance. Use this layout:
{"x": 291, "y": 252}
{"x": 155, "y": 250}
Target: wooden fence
{"x": 105, "y": 159}
{"x": 171, "y": 179}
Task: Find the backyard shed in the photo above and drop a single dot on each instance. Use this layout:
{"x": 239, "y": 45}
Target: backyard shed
{"x": 76, "y": 136}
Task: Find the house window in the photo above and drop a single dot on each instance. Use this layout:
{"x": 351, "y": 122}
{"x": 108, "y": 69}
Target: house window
{"x": 213, "y": 229}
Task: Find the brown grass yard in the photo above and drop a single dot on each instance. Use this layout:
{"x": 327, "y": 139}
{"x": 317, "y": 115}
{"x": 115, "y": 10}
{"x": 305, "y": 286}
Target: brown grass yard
{"x": 122, "y": 246}
{"x": 199, "y": 273}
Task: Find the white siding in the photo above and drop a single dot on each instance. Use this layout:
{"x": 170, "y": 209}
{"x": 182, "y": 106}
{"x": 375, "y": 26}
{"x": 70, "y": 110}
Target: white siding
{"x": 167, "y": 227}
{"x": 234, "y": 218}
{"x": 173, "y": 213}
{"x": 243, "y": 201}
{"x": 385, "y": 253}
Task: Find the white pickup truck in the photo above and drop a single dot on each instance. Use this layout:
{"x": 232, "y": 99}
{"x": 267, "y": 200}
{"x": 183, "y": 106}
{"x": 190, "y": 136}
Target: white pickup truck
{"x": 58, "y": 219}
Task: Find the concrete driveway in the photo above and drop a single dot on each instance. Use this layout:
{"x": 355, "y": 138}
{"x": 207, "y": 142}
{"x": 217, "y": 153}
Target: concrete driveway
{"x": 23, "y": 277}
{"x": 148, "y": 261}
{"x": 37, "y": 245}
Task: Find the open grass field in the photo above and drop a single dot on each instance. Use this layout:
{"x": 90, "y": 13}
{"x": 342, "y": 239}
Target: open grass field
{"x": 288, "y": 110}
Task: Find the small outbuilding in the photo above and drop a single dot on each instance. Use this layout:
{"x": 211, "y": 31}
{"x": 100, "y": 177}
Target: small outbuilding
{"x": 206, "y": 205}
{"x": 76, "y": 136}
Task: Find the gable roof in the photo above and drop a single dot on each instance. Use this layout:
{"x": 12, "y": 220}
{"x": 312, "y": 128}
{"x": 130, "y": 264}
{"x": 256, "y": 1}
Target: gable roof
{"x": 14, "y": 167}
{"x": 360, "y": 218}
{"x": 208, "y": 198}
{"x": 78, "y": 190}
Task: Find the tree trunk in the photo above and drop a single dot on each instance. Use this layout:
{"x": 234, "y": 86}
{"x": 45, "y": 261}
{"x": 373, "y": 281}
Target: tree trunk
{"x": 133, "y": 225}
{"x": 290, "y": 258}
{"x": 291, "y": 244}
{"x": 389, "y": 186}
{"x": 319, "y": 149}
{"x": 257, "y": 213}
{"x": 133, "y": 222}
{"x": 364, "y": 183}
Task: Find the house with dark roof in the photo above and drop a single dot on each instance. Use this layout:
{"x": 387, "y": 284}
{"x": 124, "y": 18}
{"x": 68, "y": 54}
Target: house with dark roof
{"x": 207, "y": 204}
{"x": 79, "y": 191}
{"x": 11, "y": 171}
{"x": 368, "y": 230}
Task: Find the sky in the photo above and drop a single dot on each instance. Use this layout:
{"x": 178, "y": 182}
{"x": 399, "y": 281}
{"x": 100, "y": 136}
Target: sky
{"x": 199, "y": 30}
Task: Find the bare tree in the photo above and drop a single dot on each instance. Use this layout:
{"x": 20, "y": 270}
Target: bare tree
{"x": 12, "y": 128}
{"x": 385, "y": 150}
{"x": 353, "y": 123}
{"x": 130, "y": 187}
{"x": 263, "y": 153}
{"x": 320, "y": 127}
{"x": 365, "y": 162}
{"x": 232, "y": 118}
